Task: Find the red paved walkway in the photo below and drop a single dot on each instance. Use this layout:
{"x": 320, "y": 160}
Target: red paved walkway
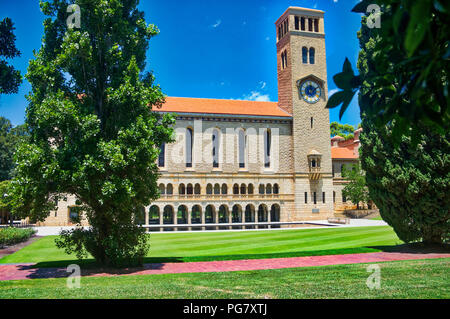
{"x": 24, "y": 271}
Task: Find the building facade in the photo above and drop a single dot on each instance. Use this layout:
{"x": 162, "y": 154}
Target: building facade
{"x": 237, "y": 162}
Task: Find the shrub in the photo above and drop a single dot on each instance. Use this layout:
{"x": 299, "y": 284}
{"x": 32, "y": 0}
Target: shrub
{"x": 11, "y": 235}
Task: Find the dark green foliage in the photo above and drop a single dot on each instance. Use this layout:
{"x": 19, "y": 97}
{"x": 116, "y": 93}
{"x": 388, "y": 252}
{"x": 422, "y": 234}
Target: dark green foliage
{"x": 93, "y": 133}
{"x": 10, "y": 235}
{"x": 409, "y": 183}
{"x": 9, "y": 140}
{"x": 356, "y": 189}
{"x": 403, "y": 67}
{"x": 10, "y": 78}
{"x": 403, "y": 99}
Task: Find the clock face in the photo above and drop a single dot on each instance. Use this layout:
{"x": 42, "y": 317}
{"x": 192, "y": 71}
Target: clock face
{"x": 310, "y": 91}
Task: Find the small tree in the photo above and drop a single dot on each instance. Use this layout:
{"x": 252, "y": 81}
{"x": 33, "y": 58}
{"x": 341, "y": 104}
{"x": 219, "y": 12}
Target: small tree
{"x": 93, "y": 133}
{"x": 356, "y": 189}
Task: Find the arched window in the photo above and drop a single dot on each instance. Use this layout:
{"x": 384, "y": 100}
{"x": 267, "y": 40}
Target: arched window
{"x": 162, "y": 189}
{"x": 276, "y": 189}
{"x": 215, "y": 147}
{"x": 169, "y": 190}
{"x": 242, "y": 147}
{"x": 189, "y": 189}
{"x": 302, "y": 23}
{"x": 224, "y": 189}
{"x": 235, "y": 189}
{"x": 305, "y": 55}
{"x": 189, "y": 144}
{"x": 267, "y": 142}
{"x": 269, "y": 189}
{"x": 181, "y": 189}
{"x": 209, "y": 189}
{"x": 312, "y": 52}
{"x": 197, "y": 189}
{"x": 162, "y": 155}
{"x": 216, "y": 189}
{"x": 243, "y": 189}
{"x": 261, "y": 189}
{"x": 250, "y": 189}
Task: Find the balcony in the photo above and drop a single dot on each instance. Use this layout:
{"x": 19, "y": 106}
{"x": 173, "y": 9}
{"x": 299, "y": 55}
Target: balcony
{"x": 314, "y": 173}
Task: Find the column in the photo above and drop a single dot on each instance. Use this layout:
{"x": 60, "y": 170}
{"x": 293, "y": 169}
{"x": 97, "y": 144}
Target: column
{"x": 161, "y": 218}
{"x": 146, "y": 217}
{"x": 202, "y": 214}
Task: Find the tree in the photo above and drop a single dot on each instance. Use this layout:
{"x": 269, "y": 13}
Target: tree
{"x": 343, "y": 130}
{"x": 93, "y": 133}
{"x": 10, "y": 78}
{"x": 356, "y": 189}
{"x": 404, "y": 67}
{"x": 9, "y": 139}
{"x": 409, "y": 182}
{"x": 407, "y": 172}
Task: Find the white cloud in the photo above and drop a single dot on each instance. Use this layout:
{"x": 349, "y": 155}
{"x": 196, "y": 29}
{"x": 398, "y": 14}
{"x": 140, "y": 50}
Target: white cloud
{"x": 331, "y": 92}
{"x": 263, "y": 84}
{"x": 218, "y": 22}
{"x": 335, "y": 1}
{"x": 257, "y": 96}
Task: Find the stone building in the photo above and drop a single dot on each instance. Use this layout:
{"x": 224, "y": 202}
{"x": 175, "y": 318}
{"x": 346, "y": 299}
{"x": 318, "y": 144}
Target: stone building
{"x": 253, "y": 162}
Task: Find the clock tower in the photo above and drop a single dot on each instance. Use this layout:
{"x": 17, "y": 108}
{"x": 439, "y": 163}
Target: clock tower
{"x": 302, "y": 91}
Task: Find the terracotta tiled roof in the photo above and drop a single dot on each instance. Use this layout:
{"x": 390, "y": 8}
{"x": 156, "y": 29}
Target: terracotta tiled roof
{"x": 216, "y": 106}
{"x": 342, "y": 152}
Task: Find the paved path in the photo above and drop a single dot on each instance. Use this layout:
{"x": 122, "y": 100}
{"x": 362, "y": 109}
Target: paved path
{"x": 25, "y": 271}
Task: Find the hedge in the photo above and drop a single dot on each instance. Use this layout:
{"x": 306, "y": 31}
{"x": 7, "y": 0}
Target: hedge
{"x": 11, "y": 235}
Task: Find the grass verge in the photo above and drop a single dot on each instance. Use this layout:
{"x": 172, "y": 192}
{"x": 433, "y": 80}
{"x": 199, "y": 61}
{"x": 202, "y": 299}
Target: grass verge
{"x": 400, "y": 279}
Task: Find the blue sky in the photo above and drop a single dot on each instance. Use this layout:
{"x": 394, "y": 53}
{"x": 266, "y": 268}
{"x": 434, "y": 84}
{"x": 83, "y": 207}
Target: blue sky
{"x": 213, "y": 49}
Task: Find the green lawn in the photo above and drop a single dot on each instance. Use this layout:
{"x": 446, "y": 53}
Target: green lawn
{"x": 181, "y": 247}
{"x": 401, "y": 279}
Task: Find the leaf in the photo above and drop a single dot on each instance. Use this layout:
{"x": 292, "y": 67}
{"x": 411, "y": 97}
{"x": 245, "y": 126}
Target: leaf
{"x": 336, "y": 99}
{"x": 417, "y": 26}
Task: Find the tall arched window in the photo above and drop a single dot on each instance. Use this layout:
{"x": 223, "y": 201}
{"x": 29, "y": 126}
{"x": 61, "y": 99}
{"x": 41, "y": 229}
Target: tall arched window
{"x": 169, "y": 190}
{"x": 224, "y": 189}
{"x": 305, "y": 55}
{"x": 215, "y": 147}
{"x": 216, "y": 189}
{"x": 189, "y": 143}
{"x": 312, "y": 52}
{"x": 242, "y": 148}
{"x": 267, "y": 145}
{"x": 162, "y": 155}
{"x": 235, "y": 189}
